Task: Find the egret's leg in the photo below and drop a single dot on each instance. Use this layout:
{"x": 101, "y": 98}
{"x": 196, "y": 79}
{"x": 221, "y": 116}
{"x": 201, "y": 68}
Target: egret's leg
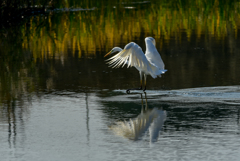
{"x": 140, "y": 88}
{"x": 140, "y": 80}
{"x": 145, "y": 82}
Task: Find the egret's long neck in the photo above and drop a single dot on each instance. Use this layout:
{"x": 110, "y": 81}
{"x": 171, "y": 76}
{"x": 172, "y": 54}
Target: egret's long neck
{"x": 149, "y": 45}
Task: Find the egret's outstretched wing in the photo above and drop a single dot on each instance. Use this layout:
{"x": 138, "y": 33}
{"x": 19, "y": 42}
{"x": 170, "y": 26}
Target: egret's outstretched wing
{"x": 131, "y": 55}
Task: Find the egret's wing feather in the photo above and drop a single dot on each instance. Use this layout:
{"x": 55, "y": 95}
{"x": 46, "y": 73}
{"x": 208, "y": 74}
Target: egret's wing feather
{"x": 138, "y": 58}
{"x": 117, "y": 59}
{"x": 133, "y": 56}
{"x": 130, "y": 60}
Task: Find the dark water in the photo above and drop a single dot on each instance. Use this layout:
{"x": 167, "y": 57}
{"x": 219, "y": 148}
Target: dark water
{"x": 60, "y": 101}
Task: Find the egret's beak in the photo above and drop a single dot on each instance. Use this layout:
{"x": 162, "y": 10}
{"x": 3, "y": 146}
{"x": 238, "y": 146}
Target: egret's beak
{"x": 108, "y": 54}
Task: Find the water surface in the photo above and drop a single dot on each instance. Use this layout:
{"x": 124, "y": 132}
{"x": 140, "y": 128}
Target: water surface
{"x": 74, "y": 125}
{"x": 60, "y": 101}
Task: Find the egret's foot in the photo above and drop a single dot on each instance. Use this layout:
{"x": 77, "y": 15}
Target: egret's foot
{"x": 144, "y": 89}
{"x": 128, "y": 90}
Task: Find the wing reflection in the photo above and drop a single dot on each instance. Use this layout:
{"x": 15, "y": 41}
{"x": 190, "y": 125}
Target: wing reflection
{"x": 148, "y": 122}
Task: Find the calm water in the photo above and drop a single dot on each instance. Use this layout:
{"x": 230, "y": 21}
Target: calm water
{"x": 60, "y": 101}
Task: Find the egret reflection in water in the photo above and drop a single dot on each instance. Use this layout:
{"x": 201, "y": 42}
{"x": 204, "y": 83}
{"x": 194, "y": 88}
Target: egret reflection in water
{"x": 150, "y": 63}
{"x": 149, "y": 121}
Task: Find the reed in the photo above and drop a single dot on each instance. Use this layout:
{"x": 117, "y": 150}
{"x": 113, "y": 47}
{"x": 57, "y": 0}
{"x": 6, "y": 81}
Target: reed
{"x": 87, "y": 32}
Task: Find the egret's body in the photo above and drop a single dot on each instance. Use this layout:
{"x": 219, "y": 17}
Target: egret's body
{"x": 147, "y": 64}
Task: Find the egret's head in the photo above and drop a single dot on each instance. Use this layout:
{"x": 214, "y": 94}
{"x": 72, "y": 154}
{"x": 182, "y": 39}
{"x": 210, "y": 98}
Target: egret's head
{"x": 115, "y": 49}
{"x": 151, "y": 39}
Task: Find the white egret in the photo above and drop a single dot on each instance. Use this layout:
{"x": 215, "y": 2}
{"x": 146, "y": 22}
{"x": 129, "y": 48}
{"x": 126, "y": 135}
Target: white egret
{"x": 147, "y": 64}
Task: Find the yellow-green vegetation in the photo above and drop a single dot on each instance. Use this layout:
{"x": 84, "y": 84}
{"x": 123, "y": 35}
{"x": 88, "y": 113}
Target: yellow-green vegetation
{"x": 101, "y": 28}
